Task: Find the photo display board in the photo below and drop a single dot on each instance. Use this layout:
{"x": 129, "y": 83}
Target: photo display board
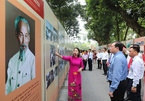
{"x": 20, "y": 62}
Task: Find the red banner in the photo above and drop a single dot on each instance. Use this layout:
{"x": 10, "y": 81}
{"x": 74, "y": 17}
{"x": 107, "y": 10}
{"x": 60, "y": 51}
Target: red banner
{"x": 37, "y": 6}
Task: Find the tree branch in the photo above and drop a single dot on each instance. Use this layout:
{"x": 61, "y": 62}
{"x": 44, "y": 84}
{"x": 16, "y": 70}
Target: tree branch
{"x": 132, "y": 23}
{"x": 126, "y": 33}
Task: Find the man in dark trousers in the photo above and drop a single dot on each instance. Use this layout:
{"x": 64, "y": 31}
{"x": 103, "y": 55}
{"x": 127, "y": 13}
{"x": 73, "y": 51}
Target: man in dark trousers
{"x": 99, "y": 57}
{"x": 117, "y": 73}
{"x": 104, "y": 60}
{"x": 136, "y": 73}
{"x": 85, "y": 58}
{"x": 90, "y": 59}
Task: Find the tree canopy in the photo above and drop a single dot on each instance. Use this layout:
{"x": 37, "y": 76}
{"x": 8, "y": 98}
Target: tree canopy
{"x": 67, "y": 12}
{"x": 110, "y": 20}
{"x": 107, "y": 20}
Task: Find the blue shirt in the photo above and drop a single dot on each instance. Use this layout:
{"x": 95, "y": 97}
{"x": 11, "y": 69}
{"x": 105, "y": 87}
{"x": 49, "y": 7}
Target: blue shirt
{"x": 117, "y": 71}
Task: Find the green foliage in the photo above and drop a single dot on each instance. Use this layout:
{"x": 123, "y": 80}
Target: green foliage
{"x": 67, "y": 11}
{"x": 111, "y": 20}
{"x": 84, "y": 46}
{"x": 100, "y": 21}
{"x": 132, "y": 12}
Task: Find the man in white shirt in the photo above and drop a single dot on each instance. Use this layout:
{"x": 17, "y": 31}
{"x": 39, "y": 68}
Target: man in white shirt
{"x": 104, "y": 60}
{"x": 21, "y": 67}
{"x": 135, "y": 74}
{"x": 128, "y": 57}
{"x": 90, "y": 59}
{"x": 99, "y": 57}
{"x": 85, "y": 58}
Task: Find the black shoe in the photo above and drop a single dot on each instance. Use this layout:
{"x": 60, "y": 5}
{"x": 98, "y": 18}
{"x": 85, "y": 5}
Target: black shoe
{"x": 127, "y": 99}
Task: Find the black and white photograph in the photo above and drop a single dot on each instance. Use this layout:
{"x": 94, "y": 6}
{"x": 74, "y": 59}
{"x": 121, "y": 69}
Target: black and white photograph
{"x": 55, "y": 35}
{"x": 61, "y": 61}
{"x": 47, "y": 80}
{"x": 49, "y": 31}
{"x": 61, "y": 38}
{"x": 52, "y": 55}
{"x": 55, "y": 71}
{"x": 51, "y": 76}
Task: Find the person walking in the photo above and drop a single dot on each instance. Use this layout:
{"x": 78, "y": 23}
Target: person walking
{"x": 136, "y": 73}
{"x": 117, "y": 73}
{"x": 104, "y": 60}
{"x": 90, "y": 59}
{"x": 85, "y": 58}
{"x": 74, "y": 77}
{"x": 99, "y": 57}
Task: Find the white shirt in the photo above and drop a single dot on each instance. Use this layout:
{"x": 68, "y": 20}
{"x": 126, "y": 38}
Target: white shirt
{"x": 90, "y": 54}
{"x": 20, "y": 72}
{"x": 128, "y": 59}
{"x": 105, "y": 56}
{"x": 136, "y": 70}
{"x": 99, "y": 56}
{"x": 80, "y": 54}
{"x": 85, "y": 56}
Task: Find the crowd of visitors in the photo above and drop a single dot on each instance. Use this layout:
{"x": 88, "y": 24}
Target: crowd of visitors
{"x": 123, "y": 68}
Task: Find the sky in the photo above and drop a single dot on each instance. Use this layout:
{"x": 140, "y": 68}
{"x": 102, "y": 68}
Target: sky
{"x": 81, "y": 22}
{"x": 82, "y": 2}
{"x": 83, "y": 31}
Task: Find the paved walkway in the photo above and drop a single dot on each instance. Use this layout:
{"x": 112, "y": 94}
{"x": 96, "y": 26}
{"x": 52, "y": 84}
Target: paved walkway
{"x": 94, "y": 87}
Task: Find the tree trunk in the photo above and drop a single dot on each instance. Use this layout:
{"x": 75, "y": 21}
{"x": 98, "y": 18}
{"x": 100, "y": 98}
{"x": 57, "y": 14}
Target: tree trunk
{"x": 117, "y": 28}
{"x": 132, "y": 23}
{"x": 126, "y": 33}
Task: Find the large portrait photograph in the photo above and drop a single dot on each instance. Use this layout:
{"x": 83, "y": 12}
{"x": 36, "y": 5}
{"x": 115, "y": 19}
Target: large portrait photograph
{"x": 20, "y": 48}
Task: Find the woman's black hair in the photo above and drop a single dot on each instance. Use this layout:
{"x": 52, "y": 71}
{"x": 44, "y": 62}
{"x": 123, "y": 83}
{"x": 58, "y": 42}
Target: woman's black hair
{"x": 78, "y": 51}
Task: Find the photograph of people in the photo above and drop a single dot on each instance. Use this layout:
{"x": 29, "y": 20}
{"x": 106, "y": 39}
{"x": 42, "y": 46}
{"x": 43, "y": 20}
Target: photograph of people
{"x": 52, "y": 55}
{"x": 48, "y": 33}
{"x": 21, "y": 66}
{"x": 56, "y": 71}
{"x": 61, "y": 62}
{"x": 74, "y": 78}
{"x": 47, "y": 80}
{"x": 55, "y": 35}
{"x": 51, "y": 76}
{"x": 61, "y": 38}
{"x": 49, "y": 30}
